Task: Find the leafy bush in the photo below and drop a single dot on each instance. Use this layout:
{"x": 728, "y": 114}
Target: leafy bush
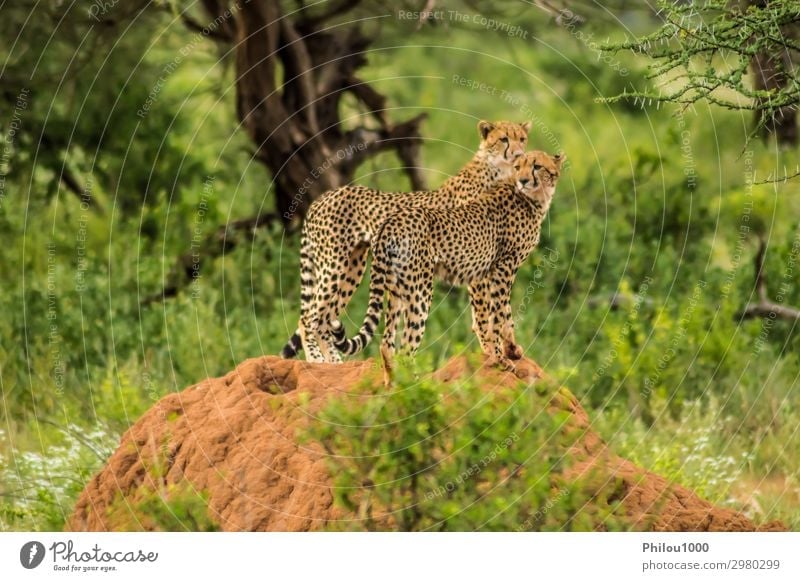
{"x": 428, "y": 456}
{"x": 37, "y": 489}
{"x": 171, "y": 508}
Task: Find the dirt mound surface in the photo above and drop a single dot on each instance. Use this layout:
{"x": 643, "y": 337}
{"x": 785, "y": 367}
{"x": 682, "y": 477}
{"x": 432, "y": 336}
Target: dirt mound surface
{"x": 234, "y": 438}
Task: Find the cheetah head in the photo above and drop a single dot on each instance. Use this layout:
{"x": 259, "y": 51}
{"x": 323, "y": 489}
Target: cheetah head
{"x": 537, "y": 173}
{"x": 502, "y": 142}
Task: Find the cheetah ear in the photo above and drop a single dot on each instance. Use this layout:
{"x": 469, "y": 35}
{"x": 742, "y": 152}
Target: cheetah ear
{"x": 560, "y": 158}
{"x": 484, "y": 128}
{"x": 526, "y": 127}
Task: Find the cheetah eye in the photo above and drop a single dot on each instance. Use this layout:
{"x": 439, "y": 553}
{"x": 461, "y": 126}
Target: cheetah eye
{"x": 504, "y": 139}
{"x": 537, "y": 167}
{"x": 523, "y": 139}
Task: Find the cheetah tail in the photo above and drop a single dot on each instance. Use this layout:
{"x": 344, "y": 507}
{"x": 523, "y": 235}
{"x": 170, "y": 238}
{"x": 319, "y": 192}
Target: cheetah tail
{"x": 377, "y": 287}
{"x": 293, "y": 346}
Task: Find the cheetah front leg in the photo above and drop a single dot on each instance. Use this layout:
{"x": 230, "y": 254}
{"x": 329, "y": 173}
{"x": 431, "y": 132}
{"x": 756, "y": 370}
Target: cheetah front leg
{"x": 511, "y": 348}
{"x": 505, "y": 320}
{"x": 480, "y": 301}
{"x": 505, "y": 348}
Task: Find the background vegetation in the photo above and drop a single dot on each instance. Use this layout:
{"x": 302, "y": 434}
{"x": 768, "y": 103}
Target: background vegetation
{"x": 634, "y": 298}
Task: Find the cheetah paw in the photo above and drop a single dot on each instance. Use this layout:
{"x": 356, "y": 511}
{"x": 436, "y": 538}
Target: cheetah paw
{"x": 513, "y": 351}
{"x": 503, "y": 363}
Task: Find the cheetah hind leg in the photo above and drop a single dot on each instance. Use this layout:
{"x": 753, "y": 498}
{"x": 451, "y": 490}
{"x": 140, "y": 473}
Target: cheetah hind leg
{"x": 309, "y": 341}
{"x": 326, "y": 301}
{"x": 417, "y": 315}
{"x": 329, "y": 350}
{"x": 341, "y": 290}
{"x": 389, "y": 341}
{"x": 348, "y": 283}
{"x": 310, "y": 331}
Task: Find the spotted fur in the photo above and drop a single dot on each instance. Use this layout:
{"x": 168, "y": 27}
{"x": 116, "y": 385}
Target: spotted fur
{"x": 480, "y": 244}
{"x": 341, "y": 224}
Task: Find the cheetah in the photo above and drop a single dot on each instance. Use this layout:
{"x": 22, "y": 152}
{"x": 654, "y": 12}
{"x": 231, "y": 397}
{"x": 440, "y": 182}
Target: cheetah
{"x": 480, "y": 244}
{"x": 341, "y": 224}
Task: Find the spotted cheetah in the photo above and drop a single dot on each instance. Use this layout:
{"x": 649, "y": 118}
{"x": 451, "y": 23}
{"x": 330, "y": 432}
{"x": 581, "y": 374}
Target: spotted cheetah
{"x": 481, "y": 244}
{"x": 340, "y": 225}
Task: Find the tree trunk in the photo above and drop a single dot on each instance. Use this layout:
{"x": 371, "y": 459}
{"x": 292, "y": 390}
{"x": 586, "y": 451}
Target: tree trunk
{"x": 773, "y": 71}
{"x": 291, "y": 74}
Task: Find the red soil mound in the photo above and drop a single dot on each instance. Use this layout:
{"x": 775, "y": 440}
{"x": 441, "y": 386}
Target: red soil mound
{"x": 235, "y": 439}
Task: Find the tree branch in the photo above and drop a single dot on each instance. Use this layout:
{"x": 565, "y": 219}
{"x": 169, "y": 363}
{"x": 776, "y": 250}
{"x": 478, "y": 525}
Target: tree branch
{"x": 298, "y": 70}
{"x": 216, "y": 33}
{"x": 765, "y": 308}
{"x": 81, "y": 192}
{"x": 363, "y": 143}
{"x": 336, "y": 9}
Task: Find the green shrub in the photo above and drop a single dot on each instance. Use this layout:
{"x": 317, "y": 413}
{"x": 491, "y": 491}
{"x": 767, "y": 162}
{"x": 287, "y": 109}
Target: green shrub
{"x": 435, "y": 457}
{"x": 38, "y": 489}
{"x": 172, "y": 508}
